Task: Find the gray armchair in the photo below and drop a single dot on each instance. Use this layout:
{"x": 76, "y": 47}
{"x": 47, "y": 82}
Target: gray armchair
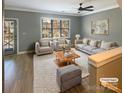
{"x": 62, "y": 42}
{"x": 43, "y": 47}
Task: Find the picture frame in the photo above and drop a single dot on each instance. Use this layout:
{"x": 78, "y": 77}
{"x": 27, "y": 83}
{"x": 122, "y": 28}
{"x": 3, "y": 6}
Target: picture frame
{"x": 100, "y": 27}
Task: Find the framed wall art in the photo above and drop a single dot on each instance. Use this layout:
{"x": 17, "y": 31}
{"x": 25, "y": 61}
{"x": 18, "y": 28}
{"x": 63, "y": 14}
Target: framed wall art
{"x": 100, "y": 27}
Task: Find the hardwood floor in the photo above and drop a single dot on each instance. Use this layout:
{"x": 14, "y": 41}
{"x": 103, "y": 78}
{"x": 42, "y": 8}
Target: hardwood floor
{"x": 18, "y": 73}
{"x": 18, "y": 76}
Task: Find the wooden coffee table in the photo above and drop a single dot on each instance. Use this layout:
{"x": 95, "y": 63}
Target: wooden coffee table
{"x": 61, "y": 58}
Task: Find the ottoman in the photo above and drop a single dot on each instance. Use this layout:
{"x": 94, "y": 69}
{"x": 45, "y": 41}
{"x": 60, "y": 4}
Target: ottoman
{"x": 68, "y": 77}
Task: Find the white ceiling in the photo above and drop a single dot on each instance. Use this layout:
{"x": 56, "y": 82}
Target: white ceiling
{"x": 59, "y": 6}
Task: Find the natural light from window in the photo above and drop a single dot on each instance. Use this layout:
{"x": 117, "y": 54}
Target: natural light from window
{"x": 55, "y": 28}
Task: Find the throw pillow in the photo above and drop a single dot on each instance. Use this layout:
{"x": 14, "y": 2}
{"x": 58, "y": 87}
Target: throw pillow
{"x": 85, "y": 41}
{"x": 106, "y": 45}
{"x": 98, "y": 43}
{"x": 61, "y": 41}
{"x": 44, "y": 43}
{"x": 93, "y": 43}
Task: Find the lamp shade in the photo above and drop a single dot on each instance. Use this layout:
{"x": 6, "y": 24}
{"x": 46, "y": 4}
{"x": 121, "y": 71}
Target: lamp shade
{"x": 63, "y": 35}
{"x": 77, "y": 36}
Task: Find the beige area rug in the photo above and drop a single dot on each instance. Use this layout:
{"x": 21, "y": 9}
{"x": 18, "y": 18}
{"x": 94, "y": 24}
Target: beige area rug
{"x": 45, "y": 72}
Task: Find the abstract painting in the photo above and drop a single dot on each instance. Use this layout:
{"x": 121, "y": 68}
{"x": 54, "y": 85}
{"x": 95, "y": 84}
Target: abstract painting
{"x": 100, "y": 27}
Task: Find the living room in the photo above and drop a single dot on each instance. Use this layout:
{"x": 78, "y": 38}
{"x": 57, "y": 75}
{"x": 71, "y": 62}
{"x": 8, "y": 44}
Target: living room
{"x": 38, "y": 34}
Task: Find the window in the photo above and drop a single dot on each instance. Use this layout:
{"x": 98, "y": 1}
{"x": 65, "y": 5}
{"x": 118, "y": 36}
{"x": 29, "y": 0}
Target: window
{"x": 55, "y": 28}
{"x": 64, "y": 28}
{"x": 46, "y": 28}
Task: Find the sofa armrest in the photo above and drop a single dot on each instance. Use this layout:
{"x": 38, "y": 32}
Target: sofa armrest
{"x": 37, "y": 47}
{"x": 56, "y": 43}
{"x": 51, "y": 44}
{"x": 58, "y": 77}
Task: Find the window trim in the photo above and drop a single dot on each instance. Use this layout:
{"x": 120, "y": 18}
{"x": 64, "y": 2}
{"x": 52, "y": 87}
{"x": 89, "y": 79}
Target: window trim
{"x": 52, "y": 18}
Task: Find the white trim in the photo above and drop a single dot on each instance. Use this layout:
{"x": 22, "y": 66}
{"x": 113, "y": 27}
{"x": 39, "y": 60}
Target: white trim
{"x": 100, "y": 10}
{"x": 24, "y": 52}
{"x": 41, "y": 11}
{"x": 17, "y": 20}
{"x": 59, "y": 13}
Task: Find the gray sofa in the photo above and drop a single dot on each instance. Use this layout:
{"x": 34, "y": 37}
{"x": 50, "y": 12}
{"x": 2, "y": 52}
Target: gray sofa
{"x": 91, "y": 46}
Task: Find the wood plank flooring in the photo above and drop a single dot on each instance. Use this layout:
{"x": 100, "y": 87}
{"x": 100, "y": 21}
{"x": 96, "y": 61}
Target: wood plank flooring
{"x": 18, "y": 76}
{"x": 18, "y": 73}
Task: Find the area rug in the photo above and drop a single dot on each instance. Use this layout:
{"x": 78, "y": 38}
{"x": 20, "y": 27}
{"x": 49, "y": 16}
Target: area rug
{"x": 45, "y": 72}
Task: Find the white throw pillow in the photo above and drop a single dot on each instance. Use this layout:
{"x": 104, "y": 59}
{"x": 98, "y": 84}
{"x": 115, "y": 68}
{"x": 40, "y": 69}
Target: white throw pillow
{"x": 93, "y": 43}
{"x": 44, "y": 43}
{"x": 85, "y": 41}
{"x": 106, "y": 45}
{"x": 61, "y": 41}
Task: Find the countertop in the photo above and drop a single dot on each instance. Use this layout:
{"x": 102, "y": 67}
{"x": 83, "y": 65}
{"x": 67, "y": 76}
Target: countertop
{"x": 105, "y": 57}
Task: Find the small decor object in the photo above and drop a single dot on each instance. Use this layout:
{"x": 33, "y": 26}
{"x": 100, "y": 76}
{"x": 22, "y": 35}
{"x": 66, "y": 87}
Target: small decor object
{"x": 68, "y": 54}
{"x": 77, "y": 36}
{"x": 63, "y": 48}
{"x": 100, "y": 27}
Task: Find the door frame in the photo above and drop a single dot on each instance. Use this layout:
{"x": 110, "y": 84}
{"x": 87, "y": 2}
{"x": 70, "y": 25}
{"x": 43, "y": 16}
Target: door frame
{"x": 17, "y": 20}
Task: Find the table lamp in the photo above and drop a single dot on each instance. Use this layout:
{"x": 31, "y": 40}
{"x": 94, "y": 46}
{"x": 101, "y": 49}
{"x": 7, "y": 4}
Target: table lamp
{"x": 77, "y": 36}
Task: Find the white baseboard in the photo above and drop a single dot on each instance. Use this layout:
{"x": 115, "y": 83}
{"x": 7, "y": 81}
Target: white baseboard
{"x": 25, "y": 52}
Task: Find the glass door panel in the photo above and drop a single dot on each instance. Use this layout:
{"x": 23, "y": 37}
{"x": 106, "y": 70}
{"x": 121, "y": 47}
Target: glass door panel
{"x": 9, "y": 37}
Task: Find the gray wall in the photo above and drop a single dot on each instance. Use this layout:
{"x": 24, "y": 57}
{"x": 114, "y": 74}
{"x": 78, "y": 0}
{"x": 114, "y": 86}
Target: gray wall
{"x": 29, "y": 27}
{"x": 115, "y": 25}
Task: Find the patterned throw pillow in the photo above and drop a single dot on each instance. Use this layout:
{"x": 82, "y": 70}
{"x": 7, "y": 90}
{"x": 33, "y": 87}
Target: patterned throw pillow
{"x": 93, "y": 43}
{"x": 106, "y": 45}
{"x": 85, "y": 41}
{"x": 61, "y": 41}
{"x": 44, "y": 43}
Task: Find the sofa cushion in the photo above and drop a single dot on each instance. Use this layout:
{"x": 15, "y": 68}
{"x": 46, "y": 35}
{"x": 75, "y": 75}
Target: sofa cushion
{"x": 98, "y": 50}
{"x": 93, "y": 43}
{"x": 89, "y": 48}
{"x": 61, "y": 41}
{"x": 80, "y": 45}
{"x": 44, "y": 49}
{"x": 69, "y": 72}
{"x": 63, "y": 45}
{"x": 106, "y": 45}
{"x": 85, "y": 41}
{"x": 44, "y": 43}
